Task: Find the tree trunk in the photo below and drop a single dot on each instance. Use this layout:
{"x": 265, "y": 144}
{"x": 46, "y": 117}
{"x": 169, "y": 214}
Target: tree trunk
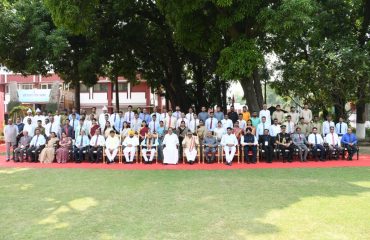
{"x": 360, "y": 109}
{"x": 339, "y": 108}
{"x": 77, "y": 97}
{"x": 219, "y": 88}
{"x": 258, "y": 88}
{"x": 117, "y": 93}
{"x": 250, "y": 93}
{"x": 224, "y": 96}
{"x": 198, "y": 76}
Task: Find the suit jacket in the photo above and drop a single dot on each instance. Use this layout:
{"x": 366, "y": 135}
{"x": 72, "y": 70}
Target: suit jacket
{"x": 266, "y": 138}
{"x": 69, "y": 131}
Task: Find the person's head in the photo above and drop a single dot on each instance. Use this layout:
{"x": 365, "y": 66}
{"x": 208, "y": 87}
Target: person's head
{"x": 73, "y": 110}
{"x": 170, "y": 112}
{"x": 289, "y": 118}
{"x": 191, "y": 110}
{"x": 64, "y": 135}
{"x": 107, "y": 124}
{"x": 236, "y": 124}
{"x": 91, "y": 117}
{"x": 298, "y": 130}
{"x": 93, "y": 121}
{"x": 314, "y": 130}
{"x": 182, "y": 115}
{"x": 226, "y": 117}
{"x": 218, "y": 109}
{"x": 316, "y": 118}
{"x": 301, "y": 120}
{"x": 37, "y": 131}
{"x": 232, "y": 108}
{"x": 282, "y": 128}
{"x": 341, "y": 119}
{"x": 170, "y": 130}
{"x": 265, "y": 106}
{"x": 328, "y": 118}
{"x": 266, "y": 132}
{"x": 219, "y": 124}
{"x": 82, "y": 121}
{"x": 138, "y": 110}
{"x": 306, "y": 106}
{"x": 47, "y": 120}
{"x": 156, "y": 109}
{"x": 161, "y": 123}
{"x": 29, "y": 120}
{"x": 254, "y": 114}
{"x": 51, "y": 118}
{"x": 331, "y": 129}
{"x": 129, "y": 108}
{"x": 278, "y": 107}
{"x": 97, "y": 132}
{"x": 164, "y": 110}
{"x": 18, "y": 120}
{"x": 10, "y": 121}
{"x": 136, "y": 115}
{"x": 201, "y": 123}
{"x": 276, "y": 121}
{"x": 106, "y": 116}
{"x": 154, "y": 117}
{"x": 204, "y": 109}
{"x": 249, "y": 122}
{"x": 25, "y": 133}
{"x": 190, "y": 135}
{"x": 145, "y": 111}
{"x": 29, "y": 112}
{"x": 38, "y": 112}
{"x": 211, "y": 114}
{"x": 112, "y": 133}
{"x": 240, "y": 116}
{"x": 209, "y": 134}
{"x": 182, "y": 124}
{"x": 93, "y": 109}
{"x": 263, "y": 119}
{"x": 349, "y": 130}
{"x": 143, "y": 123}
{"x": 105, "y": 109}
{"x": 245, "y": 108}
{"x": 125, "y": 124}
{"x": 292, "y": 109}
{"x": 195, "y": 116}
{"x": 177, "y": 109}
{"x": 57, "y": 112}
{"x": 39, "y": 123}
{"x": 52, "y": 135}
{"x": 249, "y": 130}
{"x": 229, "y": 130}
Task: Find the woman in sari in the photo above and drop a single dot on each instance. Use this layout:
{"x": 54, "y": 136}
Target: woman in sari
{"x": 143, "y": 131}
{"x": 64, "y": 147}
{"x": 249, "y": 124}
{"x": 124, "y": 131}
{"x": 238, "y": 131}
{"x": 47, "y": 154}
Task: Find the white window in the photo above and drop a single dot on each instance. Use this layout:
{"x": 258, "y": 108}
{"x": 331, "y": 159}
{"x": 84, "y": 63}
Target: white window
{"x": 46, "y": 86}
{"x": 25, "y": 86}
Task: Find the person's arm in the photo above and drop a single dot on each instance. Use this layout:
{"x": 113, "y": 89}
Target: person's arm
{"x": 242, "y": 141}
{"x": 345, "y": 139}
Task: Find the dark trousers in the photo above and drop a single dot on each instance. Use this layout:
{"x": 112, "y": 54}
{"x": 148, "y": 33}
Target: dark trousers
{"x": 94, "y": 157}
{"x": 287, "y": 152}
{"x": 250, "y": 158}
{"x": 34, "y": 152}
{"x": 211, "y": 150}
{"x": 19, "y": 153}
{"x": 269, "y": 151}
{"x": 322, "y": 151}
{"x": 351, "y": 149}
{"x": 78, "y": 153}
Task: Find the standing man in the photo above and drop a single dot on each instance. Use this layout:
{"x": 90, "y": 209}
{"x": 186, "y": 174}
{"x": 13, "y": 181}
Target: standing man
{"x": 182, "y": 119}
{"x": 118, "y": 123}
{"x": 145, "y": 116}
{"x": 10, "y": 134}
{"x": 316, "y": 124}
{"x": 74, "y": 111}
{"x": 114, "y": 117}
{"x": 177, "y": 113}
{"x": 242, "y": 122}
{"x": 20, "y": 127}
{"x": 255, "y": 119}
{"x": 170, "y": 121}
{"x": 294, "y": 115}
{"x": 102, "y": 117}
{"x": 211, "y": 122}
{"x": 229, "y": 143}
{"x": 194, "y": 123}
{"x": 29, "y": 127}
{"x": 136, "y": 123}
{"x": 265, "y": 113}
{"x": 246, "y": 114}
{"x": 129, "y": 115}
{"x": 203, "y": 115}
{"x": 306, "y": 114}
{"x": 290, "y": 125}
{"x": 341, "y": 129}
{"x": 219, "y": 115}
{"x": 326, "y": 125}
{"x": 278, "y": 114}
{"x": 262, "y": 126}
{"x": 68, "y": 129}
{"x": 29, "y": 116}
{"x": 227, "y": 123}
{"x": 233, "y": 116}
{"x": 154, "y": 124}
{"x": 39, "y": 117}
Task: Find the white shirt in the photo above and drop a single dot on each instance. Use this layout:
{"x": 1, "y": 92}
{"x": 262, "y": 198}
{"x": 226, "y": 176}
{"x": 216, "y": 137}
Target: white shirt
{"x": 176, "y": 114}
{"x": 261, "y": 128}
{"x": 307, "y": 115}
{"x": 189, "y": 116}
{"x": 30, "y": 128}
{"x": 180, "y": 120}
{"x": 326, "y": 127}
{"x": 265, "y": 113}
{"x": 82, "y": 140}
{"x": 219, "y": 132}
{"x": 170, "y": 122}
{"x": 332, "y": 139}
{"x": 226, "y": 123}
{"x": 74, "y": 123}
{"x": 98, "y": 140}
{"x": 229, "y": 139}
{"x": 129, "y": 116}
{"x": 290, "y": 127}
{"x": 112, "y": 142}
{"x": 134, "y": 141}
{"x": 274, "y": 130}
{"x": 57, "y": 119}
{"x": 341, "y": 129}
{"x": 153, "y": 126}
{"x": 208, "y": 124}
{"x": 311, "y": 139}
{"x": 294, "y": 117}
{"x": 193, "y": 125}
{"x": 102, "y": 120}
{"x": 136, "y": 124}
{"x": 157, "y": 114}
{"x": 244, "y": 143}
{"x": 38, "y": 140}
{"x": 163, "y": 117}
{"x": 87, "y": 125}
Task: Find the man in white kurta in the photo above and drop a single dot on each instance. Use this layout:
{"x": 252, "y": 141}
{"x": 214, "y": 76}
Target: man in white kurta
{"x": 130, "y": 143}
{"x": 149, "y": 144}
{"x": 170, "y": 151}
{"x": 111, "y": 146}
{"x": 229, "y": 143}
{"x": 102, "y": 117}
{"x": 29, "y": 116}
{"x": 38, "y": 117}
{"x": 190, "y": 144}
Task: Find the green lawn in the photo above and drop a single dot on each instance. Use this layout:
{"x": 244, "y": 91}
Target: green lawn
{"x": 234, "y": 204}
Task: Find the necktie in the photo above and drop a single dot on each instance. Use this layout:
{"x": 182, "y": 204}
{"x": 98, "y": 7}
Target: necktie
{"x": 154, "y": 126}
{"x": 211, "y": 123}
{"x": 340, "y": 128}
{"x": 300, "y": 139}
{"x": 332, "y": 138}
{"x": 37, "y": 139}
{"x": 195, "y": 125}
{"x": 50, "y": 127}
{"x": 115, "y": 115}
{"x": 169, "y": 123}
{"x": 81, "y": 139}
{"x": 129, "y": 116}
{"x": 263, "y": 124}
{"x": 73, "y": 124}
{"x": 315, "y": 139}
{"x": 120, "y": 122}
{"x": 288, "y": 127}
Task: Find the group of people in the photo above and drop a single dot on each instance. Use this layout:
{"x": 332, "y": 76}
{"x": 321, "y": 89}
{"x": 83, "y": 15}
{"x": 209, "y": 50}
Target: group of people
{"x": 169, "y": 135}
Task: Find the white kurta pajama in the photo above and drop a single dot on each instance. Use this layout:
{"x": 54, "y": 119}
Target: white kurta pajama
{"x": 149, "y": 146}
{"x": 170, "y": 152}
{"x": 229, "y": 151}
{"x": 190, "y": 148}
{"x": 111, "y": 147}
{"x": 130, "y": 152}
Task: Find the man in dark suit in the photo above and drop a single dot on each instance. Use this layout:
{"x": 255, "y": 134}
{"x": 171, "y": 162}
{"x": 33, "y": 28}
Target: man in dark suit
{"x": 68, "y": 129}
{"x": 267, "y": 144}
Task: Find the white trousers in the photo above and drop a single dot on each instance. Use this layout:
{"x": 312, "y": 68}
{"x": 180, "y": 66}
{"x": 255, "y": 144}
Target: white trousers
{"x": 152, "y": 152}
{"x": 229, "y": 153}
{"x": 190, "y": 155}
{"x": 110, "y": 155}
{"x": 129, "y": 153}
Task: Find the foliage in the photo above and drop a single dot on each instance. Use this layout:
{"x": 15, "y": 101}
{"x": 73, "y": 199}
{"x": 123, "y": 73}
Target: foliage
{"x": 51, "y": 107}
{"x": 19, "y": 111}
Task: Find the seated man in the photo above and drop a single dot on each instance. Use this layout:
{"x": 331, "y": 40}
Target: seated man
{"x": 111, "y": 146}
{"x": 349, "y": 141}
{"x": 229, "y": 143}
{"x": 267, "y": 145}
{"x": 316, "y": 141}
{"x": 285, "y": 144}
{"x": 249, "y": 142}
{"x": 332, "y": 140}
{"x": 130, "y": 143}
{"x": 190, "y": 144}
{"x": 22, "y": 147}
{"x": 300, "y": 141}
{"x": 210, "y": 146}
{"x": 149, "y": 144}
{"x": 170, "y": 148}
{"x": 36, "y": 145}
{"x": 96, "y": 146}
{"x": 81, "y": 145}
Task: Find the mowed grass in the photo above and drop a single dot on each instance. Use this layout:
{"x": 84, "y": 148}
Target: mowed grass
{"x": 235, "y": 204}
